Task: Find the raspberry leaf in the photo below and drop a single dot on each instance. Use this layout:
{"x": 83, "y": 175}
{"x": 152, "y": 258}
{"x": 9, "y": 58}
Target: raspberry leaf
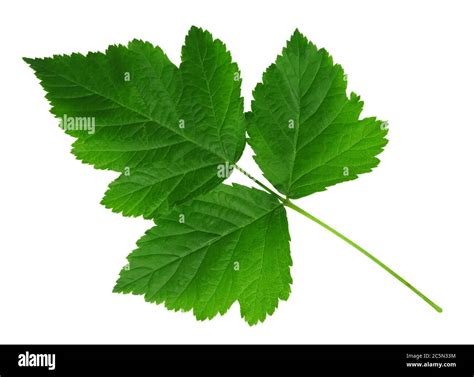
{"x": 176, "y": 133}
{"x": 166, "y": 129}
{"x": 305, "y": 132}
{"x": 231, "y": 244}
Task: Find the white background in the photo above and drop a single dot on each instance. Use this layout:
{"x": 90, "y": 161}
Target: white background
{"x": 412, "y": 63}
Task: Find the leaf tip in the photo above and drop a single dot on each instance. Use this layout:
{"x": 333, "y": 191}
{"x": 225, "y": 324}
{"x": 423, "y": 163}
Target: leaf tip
{"x": 196, "y": 30}
{"x": 297, "y": 32}
{"x": 298, "y": 35}
{"x": 30, "y": 61}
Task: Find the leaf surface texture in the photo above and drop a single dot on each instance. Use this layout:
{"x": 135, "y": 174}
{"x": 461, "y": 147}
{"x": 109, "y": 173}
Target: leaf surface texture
{"x": 305, "y": 132}
{"x": 166, "y": 129}
{"x": 231, "y": 244}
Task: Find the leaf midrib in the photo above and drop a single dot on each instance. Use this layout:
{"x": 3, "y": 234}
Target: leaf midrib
{"x": 207, "y": 245}
{"x": 147, "y": 117}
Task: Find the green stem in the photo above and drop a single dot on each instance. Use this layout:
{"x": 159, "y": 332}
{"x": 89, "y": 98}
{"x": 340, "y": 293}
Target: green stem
{"x": 301, "y": 211}
{"x": 266, "y": 188}
{"x": 363, "y": 251}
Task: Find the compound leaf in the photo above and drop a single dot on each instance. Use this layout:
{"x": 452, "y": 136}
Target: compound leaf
{"x": 174, "y": 134}
{"x": 166, "y": 129}
{"x": 304, "y": 130}
{"x": 231, "y": 244}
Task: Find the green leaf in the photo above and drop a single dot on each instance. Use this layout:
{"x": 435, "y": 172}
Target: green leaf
{"x": 166, "y": 129}
{"x": 175, "y": 134}
{"x": 142, "y": 193}
{"x": 231, "y": 244}
{"x": 304, "y": 130}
